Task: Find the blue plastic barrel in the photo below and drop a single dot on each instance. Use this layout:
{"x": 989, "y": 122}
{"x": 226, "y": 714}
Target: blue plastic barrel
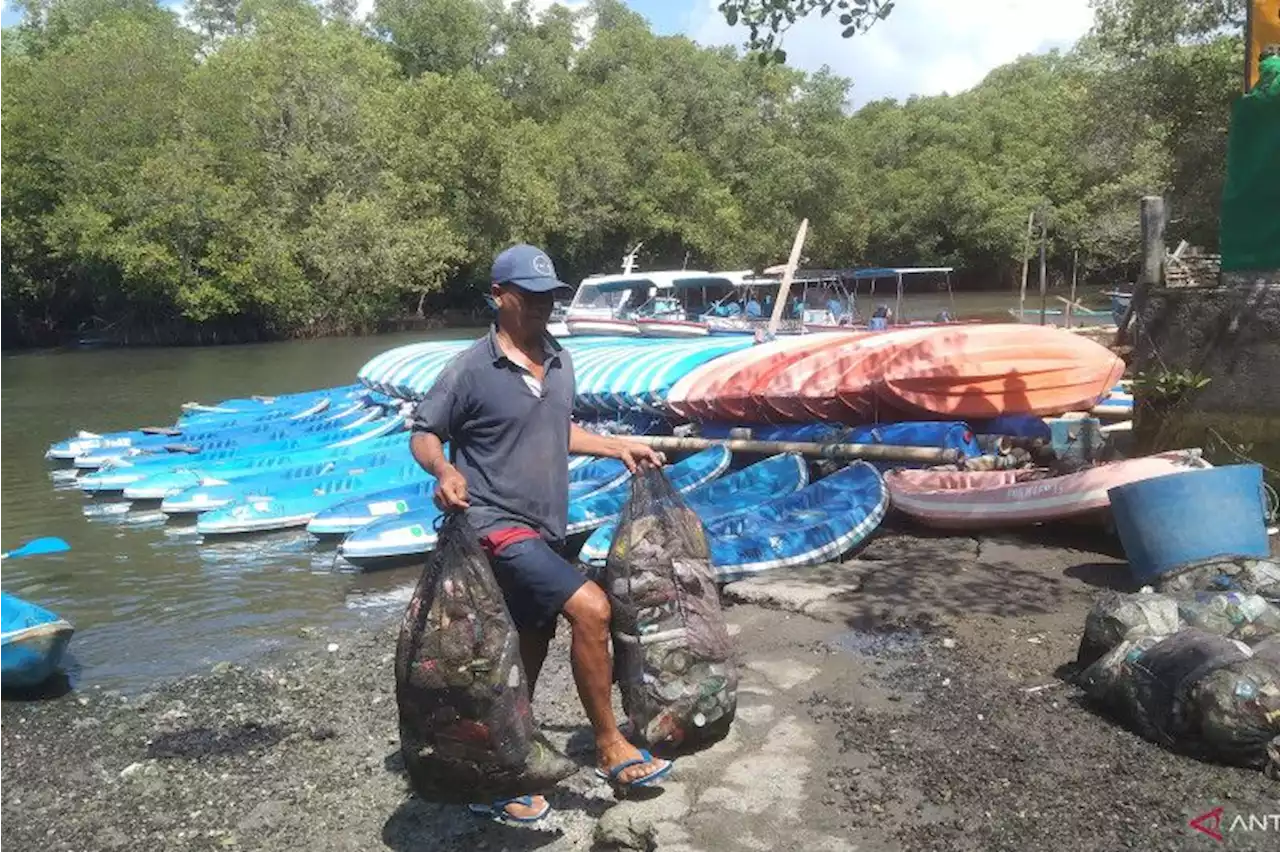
{"x": 1174, "y": 520}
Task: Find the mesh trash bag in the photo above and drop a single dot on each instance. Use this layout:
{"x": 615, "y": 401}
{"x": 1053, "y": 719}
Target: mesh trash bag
{"x": 1238, "y": 707}
{"x": 672, "y": 654}
{"x": 1148, "y": 681}
{"x": 1231, "y": 614}
{"x": 1240, "y": 574}
{"x": 1115, "y": 617}
{"x": 466, "y": 728}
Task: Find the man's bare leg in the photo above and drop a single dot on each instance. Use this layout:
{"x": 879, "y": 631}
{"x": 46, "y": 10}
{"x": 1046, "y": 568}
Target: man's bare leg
{"x": 588, "y": 614}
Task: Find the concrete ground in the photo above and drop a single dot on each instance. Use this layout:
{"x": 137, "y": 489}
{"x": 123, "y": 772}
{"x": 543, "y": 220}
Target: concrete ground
{"x": 910, "y": 699}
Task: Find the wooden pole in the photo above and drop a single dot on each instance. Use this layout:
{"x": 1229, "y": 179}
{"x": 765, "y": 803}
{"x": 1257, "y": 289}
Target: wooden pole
{"x": 787, "y": 274}
{"x": 1026, "y": 261}
{"x": 1044, "y": 295}
{"x": 1152, "y": 273}
{"x": 1075, "y": 260}
{"x": 878, "y": 452}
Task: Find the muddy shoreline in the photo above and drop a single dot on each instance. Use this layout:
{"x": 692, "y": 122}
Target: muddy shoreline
{"x": 912, "y": 698}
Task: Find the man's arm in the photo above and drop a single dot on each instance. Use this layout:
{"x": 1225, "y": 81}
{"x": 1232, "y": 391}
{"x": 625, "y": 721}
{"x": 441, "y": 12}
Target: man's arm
{"x": 632, "y": 453}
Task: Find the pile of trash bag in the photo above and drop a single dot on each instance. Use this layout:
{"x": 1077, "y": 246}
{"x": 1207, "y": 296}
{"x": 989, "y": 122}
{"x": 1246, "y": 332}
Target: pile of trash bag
{"x": 673, "y": 659}
{"x": 467, "y": 731}
{"x": 1238, "y": 574}
{"x": 1197, "y": 669}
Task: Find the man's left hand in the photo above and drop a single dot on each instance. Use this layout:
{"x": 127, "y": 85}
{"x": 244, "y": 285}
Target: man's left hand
{"x": 635, "y": 456}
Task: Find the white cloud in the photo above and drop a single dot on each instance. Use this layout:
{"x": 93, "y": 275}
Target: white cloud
{"x": 925, "y": 47}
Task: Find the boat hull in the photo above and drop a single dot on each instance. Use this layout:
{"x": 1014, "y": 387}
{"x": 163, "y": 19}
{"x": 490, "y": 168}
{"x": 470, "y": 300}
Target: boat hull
{"x": 33, "y": 643}
{"x": 1011, "y": 498}
{"x": 601, "y": 327}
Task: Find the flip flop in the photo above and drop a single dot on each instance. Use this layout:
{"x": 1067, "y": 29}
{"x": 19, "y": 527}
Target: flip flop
{"x": 614, "y": 774}
{"x": 498, "y": 812}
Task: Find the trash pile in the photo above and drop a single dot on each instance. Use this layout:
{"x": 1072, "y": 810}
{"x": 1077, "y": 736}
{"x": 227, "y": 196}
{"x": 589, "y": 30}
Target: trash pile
{"x": 1195, "y": 664}
{"x": 673, "y": 656}
{"x": 467, "y": 731}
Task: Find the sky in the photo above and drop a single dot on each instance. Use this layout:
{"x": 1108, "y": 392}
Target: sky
{"x": 925, "y": 47}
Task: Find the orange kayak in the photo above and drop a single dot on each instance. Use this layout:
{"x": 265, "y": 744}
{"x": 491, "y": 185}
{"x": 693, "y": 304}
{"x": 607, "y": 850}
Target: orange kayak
{"x": 982, "y": 371}
{"x": 809, "y": 388}
{"x": 735, "y": 400}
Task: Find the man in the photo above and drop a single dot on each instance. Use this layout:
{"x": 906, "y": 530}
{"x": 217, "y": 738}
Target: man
{"x": 504, "y": 405}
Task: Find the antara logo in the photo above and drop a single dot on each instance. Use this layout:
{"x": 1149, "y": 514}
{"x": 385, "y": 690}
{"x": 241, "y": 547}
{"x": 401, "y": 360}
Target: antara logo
{"x": 1210, "y": 823}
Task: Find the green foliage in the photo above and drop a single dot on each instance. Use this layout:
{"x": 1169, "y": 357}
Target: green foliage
{"x": 1169, "y": 385}
{"x": 276, "y": 169}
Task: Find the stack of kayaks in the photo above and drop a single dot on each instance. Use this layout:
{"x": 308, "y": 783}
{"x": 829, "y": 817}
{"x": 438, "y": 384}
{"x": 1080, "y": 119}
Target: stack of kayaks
{"x": 977, "y": 371}
{"x": 412, "y": 533}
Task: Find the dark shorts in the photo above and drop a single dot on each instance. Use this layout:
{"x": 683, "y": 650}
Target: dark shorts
{"x": 536, "y": 581}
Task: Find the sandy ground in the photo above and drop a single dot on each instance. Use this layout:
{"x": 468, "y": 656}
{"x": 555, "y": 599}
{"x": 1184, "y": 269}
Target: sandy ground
{"x": 910, "y": 699}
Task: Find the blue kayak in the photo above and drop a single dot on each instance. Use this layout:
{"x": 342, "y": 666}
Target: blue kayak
{"x": 235, "y": 438}
{"x": 584, "y": 479}
{"x": 685, "y": 475}
{"x": 125, "y": 472}
{"x": 174, "y": 480}
{"x": 414, "y": 533}
{"x": 263, "y": 403}
{"x": 738, "y": 492}
{"x": 85, "y": 442}
{"x": 814, "y": 525}
{"x": 206, "y": 498}
{"x": 33, "y": 641}
{"x": 296, "y": 506}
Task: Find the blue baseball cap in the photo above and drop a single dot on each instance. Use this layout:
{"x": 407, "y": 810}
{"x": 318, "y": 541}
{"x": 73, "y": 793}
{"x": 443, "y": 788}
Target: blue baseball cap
{"x": 528, "y": 268}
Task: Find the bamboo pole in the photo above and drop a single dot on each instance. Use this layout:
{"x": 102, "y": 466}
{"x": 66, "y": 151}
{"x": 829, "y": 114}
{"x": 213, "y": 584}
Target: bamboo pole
{"x": 1026, "y": 261}
{"x": 784, "y": 288}
{"x": 878, "y": 452}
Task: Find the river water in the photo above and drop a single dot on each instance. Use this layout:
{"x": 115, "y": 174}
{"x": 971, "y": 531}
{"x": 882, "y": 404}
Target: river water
{"x": 149, "y": 600}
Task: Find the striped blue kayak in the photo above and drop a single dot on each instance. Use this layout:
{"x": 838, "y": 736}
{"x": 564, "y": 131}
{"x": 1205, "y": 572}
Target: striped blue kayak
{"x": 816, "y": 524}
{"x": 685, "y": 475}
{"x": 124, "y": 472}
{"x": 84, "y": 443}
{"x": 296, "y": 506}
{"x": 33, "y": 641}
{"x": 205, "y": 498}
{"x": 1118, "y": 403}
{"x": 192, "y": 475}
{"x": 740, "y": 491}
{"x": 262, "y": 403}
{"x": 413, "y": 534}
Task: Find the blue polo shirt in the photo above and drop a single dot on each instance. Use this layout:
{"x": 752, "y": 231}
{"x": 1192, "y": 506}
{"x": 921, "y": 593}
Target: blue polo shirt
{"x": 506, "y": 435}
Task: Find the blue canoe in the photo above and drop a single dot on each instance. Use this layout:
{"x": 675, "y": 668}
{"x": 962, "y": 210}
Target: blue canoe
{"x": 206, "y": 498}
{"x": 814, "y": 525}
{"x": 741, "y": 491}
{"x": 584, "y": 478}
{"x": 685, "y": 475}
{"x": 296, "y": 506}
{"x": 32, "y": 642}
{"x": 124, "y": 472}
{"x": 414, "y": 533}
{"x": 170, "y": 482}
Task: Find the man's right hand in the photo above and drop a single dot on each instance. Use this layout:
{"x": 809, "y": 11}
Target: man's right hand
{"x": 451, "y": 491}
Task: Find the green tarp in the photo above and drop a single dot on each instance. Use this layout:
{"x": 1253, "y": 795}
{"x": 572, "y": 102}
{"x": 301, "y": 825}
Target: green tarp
{"x": 1250, "y": 229}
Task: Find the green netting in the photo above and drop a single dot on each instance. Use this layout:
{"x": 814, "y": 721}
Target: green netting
{"x": 1250, "y": 231}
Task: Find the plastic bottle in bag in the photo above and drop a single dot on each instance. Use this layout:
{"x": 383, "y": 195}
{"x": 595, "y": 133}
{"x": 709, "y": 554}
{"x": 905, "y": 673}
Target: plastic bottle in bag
{"x": 467, "y": 732}
{"x": 673, "y": 658}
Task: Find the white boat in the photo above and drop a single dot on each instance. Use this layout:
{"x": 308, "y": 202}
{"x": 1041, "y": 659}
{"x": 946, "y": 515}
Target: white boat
{"x": 645, "y": 303}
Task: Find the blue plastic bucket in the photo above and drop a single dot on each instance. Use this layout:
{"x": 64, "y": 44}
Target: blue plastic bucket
{"x": 1174, "y": 520}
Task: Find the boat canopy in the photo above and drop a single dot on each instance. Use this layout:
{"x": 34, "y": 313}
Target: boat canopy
{"x": 679, "y": 280}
